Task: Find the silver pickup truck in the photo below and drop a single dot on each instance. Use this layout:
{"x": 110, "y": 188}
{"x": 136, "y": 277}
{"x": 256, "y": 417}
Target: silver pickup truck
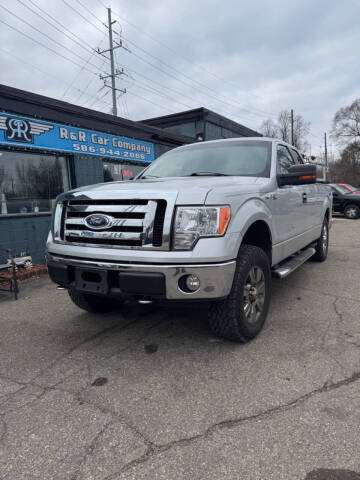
{"x": 210, "y": 221}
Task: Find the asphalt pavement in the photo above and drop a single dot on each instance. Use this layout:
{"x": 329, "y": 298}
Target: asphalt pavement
{"x": 150, "y": 393}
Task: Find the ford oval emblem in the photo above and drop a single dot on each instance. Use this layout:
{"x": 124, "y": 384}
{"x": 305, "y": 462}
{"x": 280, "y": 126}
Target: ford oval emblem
{"x": 98, "y": 221}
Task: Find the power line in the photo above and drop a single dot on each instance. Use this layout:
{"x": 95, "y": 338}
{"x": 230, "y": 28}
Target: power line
{"x": 200, "y": 84}
{"x": 81, "y": 69}
{"x": 253, "y": 112}
{"x": 151, "y": 89}
{"x": 88, "y": 49}
{"x": 87, "y": 85}
{"x": 78, "y": 74}
{"x": 46, "y": 36}
{"x": 133, "y": 43}
{"x": 54, "y": 26}
{"x": 126, "y": 109}
{"x": 86, "y": 61}
{"x": 95, "y": 16}
{"x": 177, "y": 79}
{"x": 31, "y": 65}
{"x": 90, "y": 12}
{"x": 165, "y": 87}
{"x": 61, "y": 24}
{"x": 96, "y": 99}
{"x": 160, "y": 84}
{"x": 82, "y": 16}
{"x": 260, "y": 113}
{"x": 45, "y": 46}
{"x": 149, "y": 101}
{"x": 138, "y": 28}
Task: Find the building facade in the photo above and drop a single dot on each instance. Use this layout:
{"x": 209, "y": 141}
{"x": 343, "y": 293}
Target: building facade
{"x": 49, "y": 146}
{"x": 201, "y": 124}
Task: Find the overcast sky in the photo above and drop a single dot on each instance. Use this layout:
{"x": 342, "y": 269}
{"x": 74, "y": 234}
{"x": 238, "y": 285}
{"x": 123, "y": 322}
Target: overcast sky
{"x": 244, "y": 59}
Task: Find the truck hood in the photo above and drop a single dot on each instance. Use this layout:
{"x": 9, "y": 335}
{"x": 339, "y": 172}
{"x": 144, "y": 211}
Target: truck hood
{"x": 188, "y": 190}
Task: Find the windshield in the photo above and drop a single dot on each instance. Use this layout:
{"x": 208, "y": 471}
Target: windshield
{"x": 242, "y": 158}
{"x": 350, "y": 187}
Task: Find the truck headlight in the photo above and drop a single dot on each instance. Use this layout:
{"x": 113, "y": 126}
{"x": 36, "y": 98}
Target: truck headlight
{"x": 192, "y": 223}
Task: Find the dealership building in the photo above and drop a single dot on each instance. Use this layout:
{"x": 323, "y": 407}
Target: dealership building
{"x": 48, "y": 146}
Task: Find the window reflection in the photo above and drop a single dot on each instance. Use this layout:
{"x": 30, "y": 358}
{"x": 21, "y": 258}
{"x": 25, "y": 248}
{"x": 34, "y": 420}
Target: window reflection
{"x": 29, "y": 183}
{"x": 114, "y": 171}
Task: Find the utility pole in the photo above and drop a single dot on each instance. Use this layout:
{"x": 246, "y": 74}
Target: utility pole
{"x": 112, "y": 65}
{"x": 326, "y": 157}
{"x": 292, "y": 127}
{"x": 114, "y": 73}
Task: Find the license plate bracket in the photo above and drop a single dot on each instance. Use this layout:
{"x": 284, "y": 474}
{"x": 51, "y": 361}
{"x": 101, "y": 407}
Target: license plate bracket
{"x": 92, "y": 281}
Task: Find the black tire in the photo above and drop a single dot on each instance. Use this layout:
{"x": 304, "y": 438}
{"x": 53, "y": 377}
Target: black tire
{"x": 227, "y": 318}
{"x": 352, "y": 212}
{"x": 322, "y": 245}
{"x": 94, "y": 303}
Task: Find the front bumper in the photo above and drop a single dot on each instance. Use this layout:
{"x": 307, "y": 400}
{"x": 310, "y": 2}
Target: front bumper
{"x": 156, "y": 281}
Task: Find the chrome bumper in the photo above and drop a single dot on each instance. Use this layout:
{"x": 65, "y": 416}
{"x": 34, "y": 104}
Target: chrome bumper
{"x": 215, "y": 279}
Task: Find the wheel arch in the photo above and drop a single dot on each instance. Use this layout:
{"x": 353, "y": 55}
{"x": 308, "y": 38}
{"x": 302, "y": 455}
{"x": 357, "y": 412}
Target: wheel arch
{"x": 259, "y": 235}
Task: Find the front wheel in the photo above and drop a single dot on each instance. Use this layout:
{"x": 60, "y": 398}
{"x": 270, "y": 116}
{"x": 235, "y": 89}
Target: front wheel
{"x": 241, "y": 316}
{"x": 352, "y": 212}
{"x": 94, "y": 303}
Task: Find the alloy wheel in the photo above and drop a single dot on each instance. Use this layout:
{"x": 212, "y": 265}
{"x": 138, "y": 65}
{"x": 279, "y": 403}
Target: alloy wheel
{"x": 351, "y": 212}
{"x": 254, "y": 294}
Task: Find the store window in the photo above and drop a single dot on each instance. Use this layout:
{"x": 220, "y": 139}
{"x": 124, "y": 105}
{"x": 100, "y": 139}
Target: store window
{"x": 115, "y": 171}
{"x": 29, "y": 183}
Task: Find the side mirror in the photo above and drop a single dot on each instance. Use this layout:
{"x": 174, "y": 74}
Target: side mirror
{"x": 298, "y": 175}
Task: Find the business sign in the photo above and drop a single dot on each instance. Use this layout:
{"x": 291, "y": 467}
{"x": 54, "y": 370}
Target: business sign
{"x": 33, "y": 133}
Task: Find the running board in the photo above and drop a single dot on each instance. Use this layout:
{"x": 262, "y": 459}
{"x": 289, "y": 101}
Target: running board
{"x": 284, "y": 269}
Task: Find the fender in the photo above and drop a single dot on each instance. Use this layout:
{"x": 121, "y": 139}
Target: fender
{"x": 246, "y": 214}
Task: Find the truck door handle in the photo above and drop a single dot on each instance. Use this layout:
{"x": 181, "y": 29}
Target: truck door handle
{"x": 271, "y": 196}
{"x": 304, "y": 197}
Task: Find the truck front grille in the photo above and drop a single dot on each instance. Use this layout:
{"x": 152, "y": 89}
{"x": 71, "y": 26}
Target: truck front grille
{"x": 131, "y": 223}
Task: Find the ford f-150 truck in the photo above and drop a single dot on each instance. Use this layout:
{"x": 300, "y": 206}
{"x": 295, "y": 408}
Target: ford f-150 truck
{"x": 211, "y": 221}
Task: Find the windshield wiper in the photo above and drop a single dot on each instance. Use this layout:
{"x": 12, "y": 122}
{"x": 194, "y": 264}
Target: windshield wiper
{"x": 214, "y": 174}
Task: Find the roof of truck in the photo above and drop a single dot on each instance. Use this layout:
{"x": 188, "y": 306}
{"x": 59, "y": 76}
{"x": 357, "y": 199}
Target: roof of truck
{"x": 239, "y": 139}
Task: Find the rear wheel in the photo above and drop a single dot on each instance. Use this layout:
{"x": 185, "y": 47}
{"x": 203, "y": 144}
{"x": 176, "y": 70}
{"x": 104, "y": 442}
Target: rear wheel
{"x": 241, "y": 316}
{"x": 352, "y": 212}
{"x": 322, "y": 245}
{"x": 93, "y": 303}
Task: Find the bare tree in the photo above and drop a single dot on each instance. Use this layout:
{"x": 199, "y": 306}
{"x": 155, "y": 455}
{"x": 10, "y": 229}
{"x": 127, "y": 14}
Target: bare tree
{"x": 282, "y": 129}
{"x": 269, "y": 128}
{"x": 301, "y": 130}
{"x": 346, "y": 123}
{"x": 347, "y": 168}
{"x": 284, "y": 126}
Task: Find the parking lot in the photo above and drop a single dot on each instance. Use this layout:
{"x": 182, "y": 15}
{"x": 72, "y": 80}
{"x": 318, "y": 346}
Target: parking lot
{"x": 152, "y": 394}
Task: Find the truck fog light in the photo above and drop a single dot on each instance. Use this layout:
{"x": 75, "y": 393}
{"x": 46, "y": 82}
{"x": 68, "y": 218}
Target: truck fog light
{"x": 192, "y": 282}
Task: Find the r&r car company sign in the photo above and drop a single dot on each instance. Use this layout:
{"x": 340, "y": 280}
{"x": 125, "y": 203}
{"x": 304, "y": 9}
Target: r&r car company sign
{"x": 30, "y": 132}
